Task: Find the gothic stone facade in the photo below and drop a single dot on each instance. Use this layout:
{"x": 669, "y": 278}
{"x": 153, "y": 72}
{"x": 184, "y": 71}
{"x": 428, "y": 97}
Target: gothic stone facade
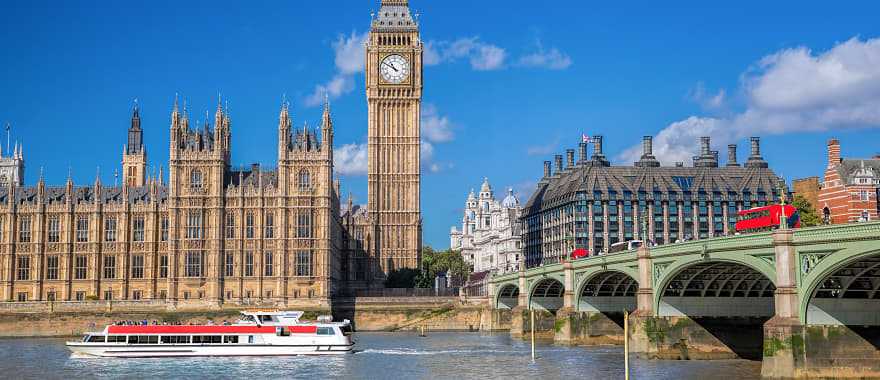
{"x": 387, "y": 234}
{"x": 211, "y": 233}
{"x": 851, "y": 188}
{"x": 489, "y": 238}
{"x": 591, "y": 204}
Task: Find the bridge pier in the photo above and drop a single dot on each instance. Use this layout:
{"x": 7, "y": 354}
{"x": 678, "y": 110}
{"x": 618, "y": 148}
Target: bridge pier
{"x": 588, "y": 328}
{"x": 793, "y": 349}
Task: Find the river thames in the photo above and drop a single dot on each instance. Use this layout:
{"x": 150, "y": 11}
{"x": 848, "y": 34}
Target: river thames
{"x": 379, "y": 356}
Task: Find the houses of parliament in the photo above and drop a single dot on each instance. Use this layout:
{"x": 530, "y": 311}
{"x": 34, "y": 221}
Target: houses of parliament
{"x": 218, "y": 233}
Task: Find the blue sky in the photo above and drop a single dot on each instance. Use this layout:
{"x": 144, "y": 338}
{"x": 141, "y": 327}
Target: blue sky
{"x": 510, "y": 84}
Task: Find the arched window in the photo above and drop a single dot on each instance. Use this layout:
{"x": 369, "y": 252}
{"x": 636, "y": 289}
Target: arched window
{"x": 195, "y": 179}
{"x": 304, "y": 180}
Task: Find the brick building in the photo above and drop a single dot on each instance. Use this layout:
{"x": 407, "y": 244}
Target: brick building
{"x": 850, "y": 190}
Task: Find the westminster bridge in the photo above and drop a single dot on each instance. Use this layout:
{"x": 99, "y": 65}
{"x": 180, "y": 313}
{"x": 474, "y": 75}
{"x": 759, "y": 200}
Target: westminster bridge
{"x": 805, "y": 301}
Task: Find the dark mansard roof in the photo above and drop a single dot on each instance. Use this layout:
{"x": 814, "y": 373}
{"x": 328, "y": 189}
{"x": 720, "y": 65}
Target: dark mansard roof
{"x": 851, "y": 168}
{"x": 252, "y": 177}
{"x": 29, "y": 195}
{"x": 600, "y": 182}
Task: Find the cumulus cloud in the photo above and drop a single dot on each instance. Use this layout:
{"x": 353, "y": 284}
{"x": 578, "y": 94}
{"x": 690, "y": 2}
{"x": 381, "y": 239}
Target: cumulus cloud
{"x": 349, "y": 59}
{"x": 482, "y": 56}
{"x": 435, "y": 127}
{"x": 351, "y": 159}
{"x": 706, "y": 99}
{"x": 552, "y": 59}
{"x": 793, "y": 90}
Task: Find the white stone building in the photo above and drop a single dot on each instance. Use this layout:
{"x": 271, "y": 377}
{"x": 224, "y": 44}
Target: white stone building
{"x": 490, "y": 232}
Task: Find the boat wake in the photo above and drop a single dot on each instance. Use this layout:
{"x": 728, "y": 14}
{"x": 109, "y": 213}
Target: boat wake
{"x": 403, "y": 351}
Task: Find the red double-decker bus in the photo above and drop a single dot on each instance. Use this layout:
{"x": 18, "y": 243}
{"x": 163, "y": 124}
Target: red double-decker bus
{"x": 766, "y": 218}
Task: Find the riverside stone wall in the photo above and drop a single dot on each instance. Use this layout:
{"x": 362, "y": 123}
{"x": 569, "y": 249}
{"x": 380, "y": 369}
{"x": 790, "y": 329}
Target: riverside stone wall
{"x": 42, "y": 319}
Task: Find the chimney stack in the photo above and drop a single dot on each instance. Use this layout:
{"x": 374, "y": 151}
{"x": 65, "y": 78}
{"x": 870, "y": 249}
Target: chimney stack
{"x": 705, "y": 146}
{"x": 558, "y": 159}
{"x": 755, "y": 160}
{"x": 707, "y": 157}
{"x": 583, "y": 152}
{"x": 648, "y": 159}
{"x": 597, "y": 146}
{"x": 731, "y": 155}
{"x": 598, "y": 156}
{"x": 833, "y": 153}
{"x": 756, "y": 147}
{"x": 547, "y": 169}
{"x": 569, "y": 156}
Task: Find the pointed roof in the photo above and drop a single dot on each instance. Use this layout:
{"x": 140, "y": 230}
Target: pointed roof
{"x": 486, "y": 187}
{"x": 394, "y": 15}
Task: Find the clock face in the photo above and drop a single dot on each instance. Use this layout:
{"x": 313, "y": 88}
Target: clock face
{"x": 394, "y": 68}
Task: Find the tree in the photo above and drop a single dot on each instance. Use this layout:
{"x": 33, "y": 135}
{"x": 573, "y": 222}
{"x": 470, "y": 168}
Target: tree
{"x": 434, "y": 262}
{"x": 807, "y": 212}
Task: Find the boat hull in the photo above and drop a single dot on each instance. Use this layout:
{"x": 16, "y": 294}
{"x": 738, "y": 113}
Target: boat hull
{"x": 173, "y": 350}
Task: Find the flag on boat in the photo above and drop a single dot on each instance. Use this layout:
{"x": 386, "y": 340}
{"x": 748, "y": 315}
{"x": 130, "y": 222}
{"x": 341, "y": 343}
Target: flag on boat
{"x": 586, "y": 139}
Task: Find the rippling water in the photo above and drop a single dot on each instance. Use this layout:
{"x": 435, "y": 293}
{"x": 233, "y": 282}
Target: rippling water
{"x": 380, "y": 356}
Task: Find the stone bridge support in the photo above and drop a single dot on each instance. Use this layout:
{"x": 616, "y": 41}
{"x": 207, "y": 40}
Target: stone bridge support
{"x": 642, "y": 342}
{"x": 783, "y": 334}
{"x": 519, "y": 315}
{"x": 794, "y": 349}
{"x": 566, "y": 318}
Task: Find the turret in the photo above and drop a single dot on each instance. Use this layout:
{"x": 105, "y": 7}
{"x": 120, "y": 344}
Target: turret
{"x": 327, "y": 129}
{"x": 134, "y": 154}
{"x": 284, "y": 124}
{"x": 41, "y": 187}
{"x": 98, "y": 187}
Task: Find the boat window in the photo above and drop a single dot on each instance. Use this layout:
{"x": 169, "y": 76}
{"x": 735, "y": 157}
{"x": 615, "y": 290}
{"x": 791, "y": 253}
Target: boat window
{"x": 175, "y": 339}
{"x": 116, "y": 339}
{"x": 230, "y": 339}
{"x": 95, "y": 339}
{"x": 143, "y": 339}
{"x": 326, "y": 331}
{"x": 265, "y": 318}
{"x": 250, "y": 339}
{"x": 206, "y": 339}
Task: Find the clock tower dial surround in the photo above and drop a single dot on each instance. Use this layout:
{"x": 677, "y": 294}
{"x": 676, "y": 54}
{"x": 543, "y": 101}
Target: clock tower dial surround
{"x": 394, "y": 97}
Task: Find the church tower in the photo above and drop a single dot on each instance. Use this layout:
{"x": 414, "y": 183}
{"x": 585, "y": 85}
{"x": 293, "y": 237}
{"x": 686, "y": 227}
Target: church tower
{"x": 394, "y": 97}
{"x": 134, "y": 156}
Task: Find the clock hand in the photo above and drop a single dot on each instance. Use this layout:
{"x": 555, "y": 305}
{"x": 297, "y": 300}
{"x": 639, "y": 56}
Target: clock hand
{"x": 391, "y": 66}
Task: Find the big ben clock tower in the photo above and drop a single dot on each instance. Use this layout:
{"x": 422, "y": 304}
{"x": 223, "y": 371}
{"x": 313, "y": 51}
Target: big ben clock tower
{"x": 394, "y": 97}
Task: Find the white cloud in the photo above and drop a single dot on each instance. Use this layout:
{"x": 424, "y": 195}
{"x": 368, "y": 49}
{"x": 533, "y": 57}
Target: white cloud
{"x": 488, "y": 57}
{"x": 350, "y": 52}
{"x": 336, "y": 87}
{"x": 482, "y": 56}
{"x": 435, "y": 127}
{"x": 349, "y": 60}
{"x": 700, "y": 95}
{"x": 552, "y": 59}
{"x": 351, "y": 159}
{"x": 793, "y": 90}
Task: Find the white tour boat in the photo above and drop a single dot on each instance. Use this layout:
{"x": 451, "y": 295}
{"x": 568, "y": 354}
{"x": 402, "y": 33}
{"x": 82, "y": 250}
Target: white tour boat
{"x": 257, "y": 333}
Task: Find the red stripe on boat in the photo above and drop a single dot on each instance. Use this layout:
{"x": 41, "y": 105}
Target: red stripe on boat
{"x": 182, "y": 329}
